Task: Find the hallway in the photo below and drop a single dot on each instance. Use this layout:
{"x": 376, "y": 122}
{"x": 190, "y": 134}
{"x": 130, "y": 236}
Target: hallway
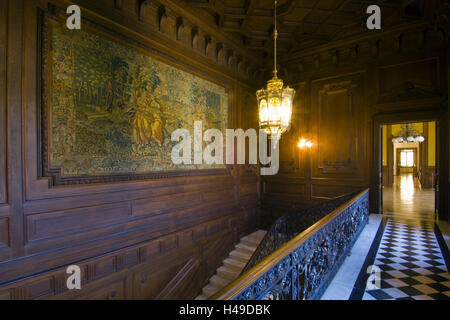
{"x": 404, "y": 245}
{"x": 407, "y": 200}
{"x": 411, "y": 255}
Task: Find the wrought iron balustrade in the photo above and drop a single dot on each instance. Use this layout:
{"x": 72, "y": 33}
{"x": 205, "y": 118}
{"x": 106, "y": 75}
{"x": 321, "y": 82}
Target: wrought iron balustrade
{"x": 291, "y": 224}
{"x": 301, "y": 252}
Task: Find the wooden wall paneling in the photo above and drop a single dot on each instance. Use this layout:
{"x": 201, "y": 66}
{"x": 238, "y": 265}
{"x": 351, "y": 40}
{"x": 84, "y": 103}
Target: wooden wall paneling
{"x": 4, "y": 232}
{"x": 63, "y": 223}
{"x": 371, "y": 88}
{"x": 290, "y": 185}
{"x": 403, "y": 90}
{"x": 55, "y": 226}
{"x": 149, "y": 282}
{"x": 249, "y": 107}
{"x": 3, "y": 86}
{"x": 45, "y": 261}
{"x": 402, "y": 73}
{"x": 281, "y": 186}
{"x": 329, "y": 191}
{"x": 4, "y": 206}
{"x": 338, "y": 160}
{"x": 135, "y": 229}
{"x": 306, "y": 156}
{"x": 14, "y": 124}
{"x": 117, "y": 290}
{"x": 292, "y": 160}
{"x": 139, "y": 271}
{"x": 248, "y": 181}
{"x": 416, "y": 79}
{"x": 159, "y": 188}
{"x": 443, "y": 166}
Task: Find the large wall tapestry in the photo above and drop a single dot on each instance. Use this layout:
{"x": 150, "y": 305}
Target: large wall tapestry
{"x": 112, "y": 108}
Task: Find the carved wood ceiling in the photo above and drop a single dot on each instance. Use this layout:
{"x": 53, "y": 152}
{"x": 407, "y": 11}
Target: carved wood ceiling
{"x": 302, "y": 23}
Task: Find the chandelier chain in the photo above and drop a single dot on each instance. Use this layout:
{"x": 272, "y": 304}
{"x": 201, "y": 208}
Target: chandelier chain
{"x": 275, "y": 37}
{"x": 275, "y": 100}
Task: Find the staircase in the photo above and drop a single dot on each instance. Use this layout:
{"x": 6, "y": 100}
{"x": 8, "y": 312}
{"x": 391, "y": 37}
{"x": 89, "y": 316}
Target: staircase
{"x": 233, "y": 265}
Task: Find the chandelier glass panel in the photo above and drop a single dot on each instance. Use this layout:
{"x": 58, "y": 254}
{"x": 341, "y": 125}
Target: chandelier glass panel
{"x": 275, "y": 101}
{"x": 408, "y": 134}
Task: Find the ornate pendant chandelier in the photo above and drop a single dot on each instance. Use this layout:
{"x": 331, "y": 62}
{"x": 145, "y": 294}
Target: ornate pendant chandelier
{"x": 408, "y": 134}
{"x": 275, "y": 101}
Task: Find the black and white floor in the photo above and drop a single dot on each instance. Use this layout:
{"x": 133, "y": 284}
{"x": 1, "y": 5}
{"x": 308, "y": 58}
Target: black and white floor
{"x": 400, "y": 255}
{"x": 411, "y": 264}
{"x": 394, "y": 259}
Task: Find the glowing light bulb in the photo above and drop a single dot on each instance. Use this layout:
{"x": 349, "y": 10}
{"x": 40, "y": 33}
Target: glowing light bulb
{"x": 420, "y": 139}
{"x": 303, "y": 143}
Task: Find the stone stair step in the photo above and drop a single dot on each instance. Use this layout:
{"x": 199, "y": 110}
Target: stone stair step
{"x": 228, "y": 273}
{"x": 245, "y": 248}
{"x": 249, "y": 242}
{"x": 209, "y": 290}
{"x": 241, "y": 256}
{"x": 254, "y": 238}
{"x": 234, "y": 264}
{"x": 218, "y": 281}
{"x": 260, "y": 233}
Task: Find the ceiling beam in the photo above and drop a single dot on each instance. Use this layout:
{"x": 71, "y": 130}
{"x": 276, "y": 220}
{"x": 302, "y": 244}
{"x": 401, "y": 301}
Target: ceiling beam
{"x": 250, "y": 7}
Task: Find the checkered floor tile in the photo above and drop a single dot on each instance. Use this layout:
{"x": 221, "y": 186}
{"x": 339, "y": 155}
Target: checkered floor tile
{"x": 411, "y": 264}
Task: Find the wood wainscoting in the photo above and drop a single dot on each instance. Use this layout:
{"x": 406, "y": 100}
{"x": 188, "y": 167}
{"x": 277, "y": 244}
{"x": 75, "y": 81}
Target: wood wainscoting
{"x": 342, "y": 87}
{"x": 130, "y": 238}
{"x": 144, "y": 270}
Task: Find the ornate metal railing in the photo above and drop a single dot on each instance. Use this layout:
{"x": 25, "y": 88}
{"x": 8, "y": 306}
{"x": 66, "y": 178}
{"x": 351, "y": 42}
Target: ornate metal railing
{"x": 302, "y": 267}
{"x": 290, "y": 225}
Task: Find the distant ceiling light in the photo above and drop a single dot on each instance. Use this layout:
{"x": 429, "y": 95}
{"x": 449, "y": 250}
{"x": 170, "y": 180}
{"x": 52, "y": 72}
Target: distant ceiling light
{"x": 408, "y": 134}
{"x": 420, "y": 139}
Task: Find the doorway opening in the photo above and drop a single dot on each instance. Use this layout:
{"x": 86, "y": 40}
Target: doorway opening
{"x": 409, "y": 170}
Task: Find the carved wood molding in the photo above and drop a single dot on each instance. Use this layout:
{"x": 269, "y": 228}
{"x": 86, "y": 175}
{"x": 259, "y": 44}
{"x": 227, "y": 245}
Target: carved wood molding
{"x": 409, "y": 91}
{"x": 347, "y": 86}
{"x": 369, "y": 48}
{"x": 412, "y": 104}
{"x": 198, "y": 243}
{"x": 142, "y": 8}
{"x": 351, "y": 41}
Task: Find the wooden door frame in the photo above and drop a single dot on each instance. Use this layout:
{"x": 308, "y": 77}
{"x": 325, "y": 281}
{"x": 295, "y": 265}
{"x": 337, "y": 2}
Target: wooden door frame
{"x": 440, "y": 116}
{"x": 390, "y": 158}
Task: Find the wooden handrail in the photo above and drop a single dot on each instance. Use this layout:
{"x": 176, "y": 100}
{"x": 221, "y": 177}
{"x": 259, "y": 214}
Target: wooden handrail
{"x": 236, "y": 287}
{"x": 182, "y": 279}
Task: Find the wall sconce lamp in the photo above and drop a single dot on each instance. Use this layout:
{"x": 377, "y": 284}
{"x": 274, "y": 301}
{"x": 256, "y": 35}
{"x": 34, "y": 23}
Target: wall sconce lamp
{"x": 305, "y": 144}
